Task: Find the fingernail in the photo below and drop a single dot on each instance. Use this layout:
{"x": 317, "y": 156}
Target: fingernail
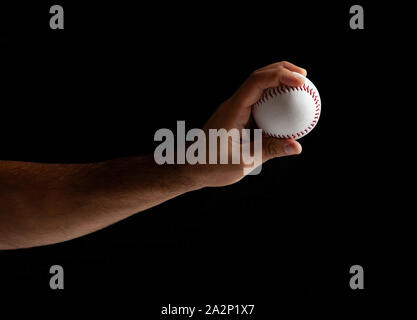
{"x": 289, "y": 148}
{"x": 299, "y": 75}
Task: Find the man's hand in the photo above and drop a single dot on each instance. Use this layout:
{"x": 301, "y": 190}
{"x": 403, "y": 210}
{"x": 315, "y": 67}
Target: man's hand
{"x": 236, "y": 113}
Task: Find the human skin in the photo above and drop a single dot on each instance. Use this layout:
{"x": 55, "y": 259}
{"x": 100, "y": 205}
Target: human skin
{"x": 42, "y": 204}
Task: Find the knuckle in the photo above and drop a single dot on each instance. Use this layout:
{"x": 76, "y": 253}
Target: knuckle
{"x": 255, "y": 74}
{"x": 282, "y": 64}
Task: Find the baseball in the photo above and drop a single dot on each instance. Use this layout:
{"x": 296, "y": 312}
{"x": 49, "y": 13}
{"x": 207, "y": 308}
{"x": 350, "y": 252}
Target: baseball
{"x": 288, "y": 112}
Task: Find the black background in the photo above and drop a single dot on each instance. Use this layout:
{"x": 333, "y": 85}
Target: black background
{"x": 120, "y": 70}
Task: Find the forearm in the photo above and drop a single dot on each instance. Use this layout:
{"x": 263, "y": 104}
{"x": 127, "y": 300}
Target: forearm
{"x": 48, "y": 203}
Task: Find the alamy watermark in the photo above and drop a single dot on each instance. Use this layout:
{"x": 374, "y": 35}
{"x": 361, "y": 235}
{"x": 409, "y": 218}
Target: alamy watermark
{"x": 57, "y": 280}
{"x": 57, "y": 19}
{"x": 357, "y": 19}
{"x": 221, "y": 147}
{"x": 356, "y": 281}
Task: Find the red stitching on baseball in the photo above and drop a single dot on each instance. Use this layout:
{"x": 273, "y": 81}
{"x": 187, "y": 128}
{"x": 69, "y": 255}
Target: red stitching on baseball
{"x": 271, "y": 92}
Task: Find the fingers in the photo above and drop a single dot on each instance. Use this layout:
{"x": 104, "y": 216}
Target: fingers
{"x": 288, "y": 78}
{"x": 287, "y": 65}
{"x": 273, "y": 148}
{"x": 253, "y": 88}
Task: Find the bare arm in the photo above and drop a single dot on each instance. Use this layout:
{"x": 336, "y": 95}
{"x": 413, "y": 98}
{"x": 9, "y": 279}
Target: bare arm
{"x": 48, "y": 203}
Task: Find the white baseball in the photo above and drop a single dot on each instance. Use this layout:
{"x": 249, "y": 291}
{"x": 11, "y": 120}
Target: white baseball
{"x": 288, "y": 112}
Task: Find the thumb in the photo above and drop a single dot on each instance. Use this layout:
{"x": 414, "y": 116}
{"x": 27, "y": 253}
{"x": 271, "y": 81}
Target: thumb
{"x": 274, "y": 147}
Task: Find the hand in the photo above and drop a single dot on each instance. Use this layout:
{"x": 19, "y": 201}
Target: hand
{"x": 236, "y": 113}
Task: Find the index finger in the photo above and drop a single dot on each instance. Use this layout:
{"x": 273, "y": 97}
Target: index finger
{"x": 288, "y": 65}
{"x": 252, "y": 89}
